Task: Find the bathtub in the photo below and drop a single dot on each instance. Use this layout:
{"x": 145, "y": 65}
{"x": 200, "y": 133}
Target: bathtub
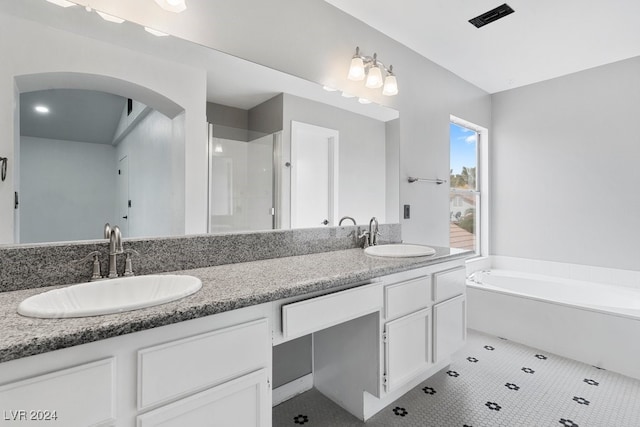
{"x": 593, "y": 323}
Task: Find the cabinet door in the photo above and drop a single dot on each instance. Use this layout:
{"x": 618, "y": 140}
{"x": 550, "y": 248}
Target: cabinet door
{"x": 242, "y": 402}
{"x": 407, "y": 348}
{"x": 450, "y": 327}
{"x": 80, "y": 396}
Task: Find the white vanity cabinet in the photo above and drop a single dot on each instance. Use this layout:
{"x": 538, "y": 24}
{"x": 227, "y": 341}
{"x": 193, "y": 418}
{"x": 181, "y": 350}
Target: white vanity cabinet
{"x": 407, "y": 331}
{"x": 213, "y": 371}
{"x": 227, "y": 369}
{"x": 425, "y": 321}
{"x": 449, "y": 312}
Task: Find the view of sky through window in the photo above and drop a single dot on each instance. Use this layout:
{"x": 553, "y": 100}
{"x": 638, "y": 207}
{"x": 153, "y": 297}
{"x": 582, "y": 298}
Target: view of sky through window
{"x": 463, "y": 148}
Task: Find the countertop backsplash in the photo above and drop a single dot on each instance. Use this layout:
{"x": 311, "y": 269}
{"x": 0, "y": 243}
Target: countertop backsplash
{"x": 40, "y": 265}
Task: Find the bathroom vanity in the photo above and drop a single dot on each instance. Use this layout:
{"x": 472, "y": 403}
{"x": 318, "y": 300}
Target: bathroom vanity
{"x": 379, "y": 326}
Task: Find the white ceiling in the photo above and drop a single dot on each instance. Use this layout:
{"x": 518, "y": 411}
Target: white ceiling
{"x": 541, "y": 40}
{"x": 74, "y": 115}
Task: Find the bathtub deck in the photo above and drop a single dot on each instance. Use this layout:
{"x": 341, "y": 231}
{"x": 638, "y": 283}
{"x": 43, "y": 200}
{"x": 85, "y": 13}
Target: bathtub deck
{"x": 493, "y": 382}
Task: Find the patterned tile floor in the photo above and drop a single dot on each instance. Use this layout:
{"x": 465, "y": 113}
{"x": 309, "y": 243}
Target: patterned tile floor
{"x": 492, "y": 382}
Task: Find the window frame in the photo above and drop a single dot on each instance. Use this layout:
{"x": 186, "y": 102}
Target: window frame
{"x": 481, "y": 191}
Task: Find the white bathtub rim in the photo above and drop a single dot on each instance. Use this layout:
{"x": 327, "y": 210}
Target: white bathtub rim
{"x": 622, "y": 312}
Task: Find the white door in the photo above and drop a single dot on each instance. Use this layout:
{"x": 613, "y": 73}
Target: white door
{"x": 124, "y": 202}
{"x": 407, "y": 347}
{"x": 314, "y": 176}
{"x": 450, "y": 327}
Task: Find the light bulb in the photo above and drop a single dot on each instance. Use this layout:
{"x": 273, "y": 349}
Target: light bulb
{"x": 62, "y": 3}
{"x": 155, "y": 32}
{"x": 356, "y": 71}
{"x": 176, "y": 6}
{"x": 390, "y": 86}
{"x": 374, "y": 78}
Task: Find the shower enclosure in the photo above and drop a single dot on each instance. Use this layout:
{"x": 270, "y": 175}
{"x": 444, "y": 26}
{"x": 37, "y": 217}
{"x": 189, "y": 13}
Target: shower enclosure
{"x": 242, "y": 181}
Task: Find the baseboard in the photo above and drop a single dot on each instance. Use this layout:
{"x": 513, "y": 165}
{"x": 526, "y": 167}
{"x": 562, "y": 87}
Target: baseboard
{"x": 292, "y": 389}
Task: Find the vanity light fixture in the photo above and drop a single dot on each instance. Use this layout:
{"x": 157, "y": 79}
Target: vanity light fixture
{"x": 176, "y": 6}
{"x": 62, "y": 3}
{"x": 41, "y": 109}
{"x": 369, "y": 68}
{"x": 155, "y": 32}
{"x": 110, "y": 18}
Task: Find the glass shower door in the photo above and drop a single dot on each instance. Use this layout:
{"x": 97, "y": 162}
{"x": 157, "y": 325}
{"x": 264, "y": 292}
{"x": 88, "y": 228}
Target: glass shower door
{"x": 241, "y": 180}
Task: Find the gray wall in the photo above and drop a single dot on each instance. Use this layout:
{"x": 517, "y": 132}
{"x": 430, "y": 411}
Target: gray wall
{"x": 227, "y": 116}
{"x": 266, "y": 118}
{"x": 565, "y": 168}
{"x": 292, "y": 360}
{"x": 67, "y": 189}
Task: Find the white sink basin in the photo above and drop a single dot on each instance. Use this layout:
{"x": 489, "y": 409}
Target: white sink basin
{"x": 400, "y": 250}
{"x": 109, "y": 296}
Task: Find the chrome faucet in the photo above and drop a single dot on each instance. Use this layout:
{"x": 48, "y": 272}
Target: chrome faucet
{"x": 371, "y": 236}
{"x": 373, "y": 231}
{"x": 115, "y": 248}
{"x": 346, "y": 218}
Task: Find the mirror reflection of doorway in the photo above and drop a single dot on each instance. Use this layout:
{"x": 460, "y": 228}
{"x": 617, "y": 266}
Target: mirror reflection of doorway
{"x": 314, "y": 176}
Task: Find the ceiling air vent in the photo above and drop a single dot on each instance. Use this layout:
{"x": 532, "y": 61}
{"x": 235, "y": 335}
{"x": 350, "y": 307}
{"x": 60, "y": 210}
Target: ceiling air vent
{"x": 492, "y": 15}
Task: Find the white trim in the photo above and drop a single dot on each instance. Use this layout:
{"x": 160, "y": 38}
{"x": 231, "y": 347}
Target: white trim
{"x": 292, "y": 389}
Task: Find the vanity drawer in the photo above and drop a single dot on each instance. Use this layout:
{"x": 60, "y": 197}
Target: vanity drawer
{"x": 407, "y": 297}
{"x": 304, "y": 317}
{"x": 449, "y": 283}
{"x": 178, "y": 368}
{"x": 80, "y": 396}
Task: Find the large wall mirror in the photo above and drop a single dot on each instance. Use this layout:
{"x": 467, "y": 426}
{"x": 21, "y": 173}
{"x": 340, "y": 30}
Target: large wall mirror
{"x": 282, "y": 152}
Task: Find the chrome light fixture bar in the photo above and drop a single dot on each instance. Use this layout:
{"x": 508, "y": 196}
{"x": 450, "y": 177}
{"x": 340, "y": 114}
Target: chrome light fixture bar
{"x": 369, "y": 68}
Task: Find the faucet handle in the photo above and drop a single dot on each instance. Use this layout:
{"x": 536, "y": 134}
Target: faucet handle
{"x": 128, "y": 266}
{"x": 96, "y": 274}
{"x": 364, "y": 235}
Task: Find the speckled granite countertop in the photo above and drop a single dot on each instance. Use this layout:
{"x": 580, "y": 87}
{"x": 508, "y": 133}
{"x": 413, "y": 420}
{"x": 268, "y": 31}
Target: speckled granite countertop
{"x": 224, "y": 288}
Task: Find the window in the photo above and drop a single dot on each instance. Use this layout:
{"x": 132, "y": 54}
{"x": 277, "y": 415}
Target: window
{"x": 465, "y": 195}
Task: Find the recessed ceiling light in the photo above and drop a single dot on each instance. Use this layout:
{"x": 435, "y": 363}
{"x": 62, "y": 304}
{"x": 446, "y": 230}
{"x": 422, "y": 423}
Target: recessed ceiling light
{"x": 110, "y": 18}
{"x": 62, "y": 3}
{"x": 155, "y": 32}
{"x": 41, "y": 109}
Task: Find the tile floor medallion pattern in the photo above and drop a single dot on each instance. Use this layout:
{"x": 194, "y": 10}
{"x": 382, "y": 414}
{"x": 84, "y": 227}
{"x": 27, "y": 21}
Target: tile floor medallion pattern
{"x": 492, "y": 382}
